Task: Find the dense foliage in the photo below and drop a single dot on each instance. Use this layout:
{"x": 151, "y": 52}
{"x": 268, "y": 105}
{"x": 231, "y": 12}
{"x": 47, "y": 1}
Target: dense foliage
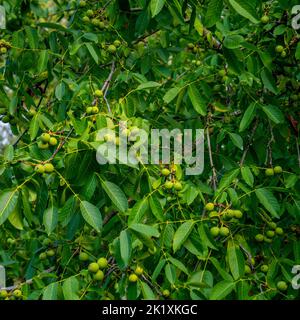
{"x": 71, "y": 228}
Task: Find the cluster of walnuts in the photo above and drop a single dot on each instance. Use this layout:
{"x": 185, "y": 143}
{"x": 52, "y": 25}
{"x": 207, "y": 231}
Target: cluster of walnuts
{"x": 4, "y": 46}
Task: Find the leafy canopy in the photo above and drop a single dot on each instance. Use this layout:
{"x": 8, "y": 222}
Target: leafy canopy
{"x": 70, "y": 68}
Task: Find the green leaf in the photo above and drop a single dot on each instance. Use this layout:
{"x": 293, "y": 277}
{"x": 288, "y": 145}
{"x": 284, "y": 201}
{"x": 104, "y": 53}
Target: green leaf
{"x": 243, "y": 289}
{"x": 245, "y": 9}
{"x": 266, "y": 59}
{"x": 34, "y": 127}
{"x": 125, "y": 246}
{"x": 8, "y": 201}
{"x": 51, "y": 25}
{"x": 233, "y": 41}
{"x": 156, "y": 208}
{"x": 148, "y": 85}
{"x": 273, "y": 113}
{"x": 225, "y": 275}
{"x": 9, "y": 153}
{"x": 15, "y": 218}
{"x": 91, "y": 36}
{"x": 70, "y": 289}
{"x": 182, "y": 234}
{"x": 247, "y": 176}
{"x": 74, "y": 47}
{"x": 221, "y": 290}
{"x": 138, "y": 211}
{"x": 32, "y": 37}
{"x": 50, "y": 219}
{"x": 248, "y": 117}
{"x": 268, "y": 81}
{"x": 92, "y": 52}
{"x": 147, "y": 241}
{"x": 227, "y": 179}
{"x": 90, "y": 187}
{"x": 213, "y": 12}
{"x": 158, "y": 269}
{"x": 279, "y": 30}
{"x": 268, "y": 200}
{"x": 168, "y": 235}
{"x": 170, "y": 273}
{"x": 91, "y": 215}
{"x": 178, "y": 264}
{"x": 197, "y": 101}
{"x": 156, "y": 6}
{"x": 13, "y": 104}
{"x": 201, "y": 279}
{"x": 233, "y": 60}
{"x": 148, "y": 231}
{"x": 43, "y": 61}
{"x": 202, "y": 231}
{"x": 236, "y": 140}
{"x": 235, "y": 260}
{"x": 148, "y": 294}
{"x": 290, "y": 180}
{"x": 50, "y": 292}
{"x": 26, "y": 205}
{"x": 60, "y": 90}
{"x": 116, "y": 195}
{"x": 171, "y": 94}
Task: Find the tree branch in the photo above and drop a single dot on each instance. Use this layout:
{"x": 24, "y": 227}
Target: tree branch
{"x": 29, "y": 281}
{"x": 62, "y": 143}
{"x": 214, "y": 172}
{"x": 249, "y": 142}
{"x": 269, "y": 146}
{"x": 108, "y": 80}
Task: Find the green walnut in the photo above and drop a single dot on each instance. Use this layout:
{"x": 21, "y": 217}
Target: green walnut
{"x": 209, "y": 206}
{"x": 224, "y": 231}
{"x": 214, "y": 231}
{"x": 99, "y": 276}
{"x": 265, "y": 19}
{"x": 259, "y": 237}
{"x": 93, "y": 267}
{"x": 102, "y": 263}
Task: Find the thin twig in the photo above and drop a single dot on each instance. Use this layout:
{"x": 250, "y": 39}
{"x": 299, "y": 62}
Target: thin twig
{"x": 145, "y": 36}
{"x": 106, "y": 4}
{"x": 214, "y": 172}
{"x": 269, "y": 146}
{"x": 108, "y": 80}
{"x": 29, "y": 281}
{"x": 107, "y": 84}
{"x": 151, "y": 284}
{"x": 215, "y": 42}
{"x": 62, "y": 143}
{"x": 249, "y": 257}
{"x": 109, "y": 216}
{"x": 249, "y": 142}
